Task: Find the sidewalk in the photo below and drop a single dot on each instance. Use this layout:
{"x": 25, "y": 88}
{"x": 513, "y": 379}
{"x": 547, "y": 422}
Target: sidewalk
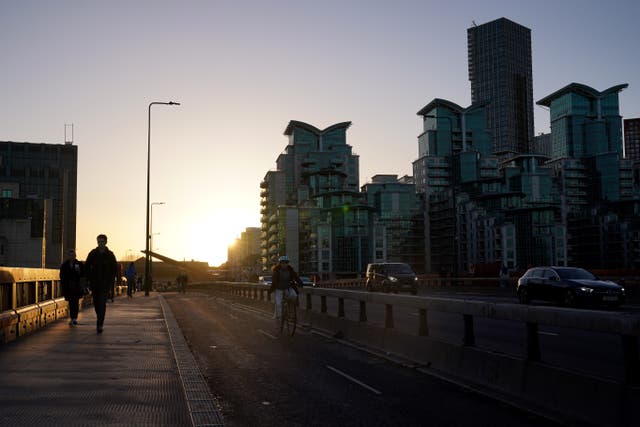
{"x": 138, "y": 372}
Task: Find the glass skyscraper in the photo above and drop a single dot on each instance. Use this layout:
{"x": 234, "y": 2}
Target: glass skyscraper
{"x": 500, "y": 72}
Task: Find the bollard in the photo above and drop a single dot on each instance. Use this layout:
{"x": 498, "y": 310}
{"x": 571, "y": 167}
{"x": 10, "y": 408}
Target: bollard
{"x": 340, "y": 307}
{"x": 363, "y": 311}
{"x": 533, "y": 342}
{"x": 423, "y": 328}
{"x": 469, "y": 338}
{"x": 388, "y": 316}
{"x": 323, "y": 304}
{"x": 309, "y": 302}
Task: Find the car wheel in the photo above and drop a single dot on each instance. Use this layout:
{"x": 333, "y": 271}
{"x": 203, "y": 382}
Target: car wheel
{"x": 523, "y": 296}
{"x": 369, "y": 287}
{"x": 414, "y": 291}
{"x": 385, "y": 287}
{"x": 569, "y": 298}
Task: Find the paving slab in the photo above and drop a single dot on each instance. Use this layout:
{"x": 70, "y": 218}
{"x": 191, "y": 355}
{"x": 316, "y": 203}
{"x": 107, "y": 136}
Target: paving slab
{"x": 130, "y": 375}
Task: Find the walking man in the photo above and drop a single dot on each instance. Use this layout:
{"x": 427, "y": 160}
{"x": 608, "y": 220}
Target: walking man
{"x": 101, "y": 267}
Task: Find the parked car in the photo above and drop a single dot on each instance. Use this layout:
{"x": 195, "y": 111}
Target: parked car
{"x": 264, "y": 280}
{"x": 306, "y": 281}
{"x": 568, "y": 286}
{"x": 391, "y": 277}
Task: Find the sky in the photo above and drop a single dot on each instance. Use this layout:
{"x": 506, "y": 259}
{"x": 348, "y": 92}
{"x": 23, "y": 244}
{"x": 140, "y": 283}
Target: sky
{"x": 242, "y": 69}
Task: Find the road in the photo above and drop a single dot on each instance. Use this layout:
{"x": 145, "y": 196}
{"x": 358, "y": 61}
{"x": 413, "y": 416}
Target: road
{"x": 313, "y": 380}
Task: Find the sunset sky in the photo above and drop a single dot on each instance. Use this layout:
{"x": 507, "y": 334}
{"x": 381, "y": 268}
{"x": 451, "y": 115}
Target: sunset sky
{"x": 242, "y": 70}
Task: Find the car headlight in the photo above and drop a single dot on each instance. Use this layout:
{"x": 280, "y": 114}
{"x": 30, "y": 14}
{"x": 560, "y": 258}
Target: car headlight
{"x": 393, "y": 279}
{"x": 585, "y": 289}
{"x": 622, "y": 290}
{"x": 415, "y": 279}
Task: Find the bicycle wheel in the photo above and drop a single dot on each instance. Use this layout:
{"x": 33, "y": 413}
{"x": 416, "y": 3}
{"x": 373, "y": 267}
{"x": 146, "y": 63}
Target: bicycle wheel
{"x": 292, "y": 317}
{"x": 284, "y": 324}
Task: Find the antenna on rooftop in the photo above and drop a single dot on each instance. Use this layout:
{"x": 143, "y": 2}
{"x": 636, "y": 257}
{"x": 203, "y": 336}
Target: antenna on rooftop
{"x": 474, "y": 23}
{"x": 68, "y": 141}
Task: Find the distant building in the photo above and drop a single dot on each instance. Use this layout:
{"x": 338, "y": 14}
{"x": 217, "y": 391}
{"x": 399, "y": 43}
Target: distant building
{"x": 38, "y": 190}
{"x": 599, "y": 206}
{"x": 632, "y": 139}
{"x": 542, "y": 144}
{"x": 312, "y": 210}
{"x": 243, "y": 256}
{"x": 500, "y": 72}
{"x": 398, "y": 228}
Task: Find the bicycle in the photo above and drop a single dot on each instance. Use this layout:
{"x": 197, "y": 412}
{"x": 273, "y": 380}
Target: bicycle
{"x": 288, "y": 320}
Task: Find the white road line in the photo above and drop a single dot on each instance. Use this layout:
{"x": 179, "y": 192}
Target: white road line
{"x": 267, "y": 334}
{"x": 350, "y": 378}
{"x": 548, "y": 333}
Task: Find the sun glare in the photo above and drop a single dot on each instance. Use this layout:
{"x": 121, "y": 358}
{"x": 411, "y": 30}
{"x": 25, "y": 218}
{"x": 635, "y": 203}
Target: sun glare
{"x": 210, "y": 239}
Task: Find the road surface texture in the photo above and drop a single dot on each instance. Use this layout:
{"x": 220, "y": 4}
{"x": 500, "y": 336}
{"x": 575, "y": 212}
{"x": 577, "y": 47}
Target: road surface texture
{"x": 260, "y": 379}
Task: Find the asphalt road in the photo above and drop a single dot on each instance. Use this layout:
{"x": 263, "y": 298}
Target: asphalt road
{"x": 313, "y": 380}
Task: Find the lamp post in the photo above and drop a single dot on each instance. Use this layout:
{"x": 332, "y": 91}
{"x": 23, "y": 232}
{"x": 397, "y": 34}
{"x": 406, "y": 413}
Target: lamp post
{"x": 147, "y": 236}
{"x": 151, "y": 239}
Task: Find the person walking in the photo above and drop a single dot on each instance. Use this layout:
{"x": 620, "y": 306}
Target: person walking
{"x": 182, "y": 281}
{"x": 283, "y": 281}
{"x": 101, "y": 268}
{"x": 72, "y": 289}
{"x": 130, "y": 273}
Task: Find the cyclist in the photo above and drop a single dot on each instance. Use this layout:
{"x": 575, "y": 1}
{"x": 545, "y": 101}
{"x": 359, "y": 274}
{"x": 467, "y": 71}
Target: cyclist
{"x": 283, "y": 283}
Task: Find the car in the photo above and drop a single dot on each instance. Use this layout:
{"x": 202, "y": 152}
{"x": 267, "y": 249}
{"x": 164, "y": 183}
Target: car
{"x": 264, "y": 280}
{"x": 391, "y": 277}
{"x": 306, "y": 281}
{"x": 568, "y": 286}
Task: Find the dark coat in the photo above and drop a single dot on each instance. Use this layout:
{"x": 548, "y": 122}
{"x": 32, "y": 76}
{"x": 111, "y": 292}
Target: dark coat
{"x": 275, "y": 278}
{"x": 71, "y": 272}
{"x": 101, "y": 269}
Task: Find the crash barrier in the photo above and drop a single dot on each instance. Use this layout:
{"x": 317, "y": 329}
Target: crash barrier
{"x": 563, "y": 394}
{"x": 631, "y": 283}
{"x": 31, "y": 299}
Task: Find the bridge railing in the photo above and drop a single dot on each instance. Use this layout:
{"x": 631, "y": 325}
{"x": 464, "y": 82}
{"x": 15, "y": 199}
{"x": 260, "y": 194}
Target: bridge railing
{"x": 31, "y": 299}
{"x": 529, "y": 377}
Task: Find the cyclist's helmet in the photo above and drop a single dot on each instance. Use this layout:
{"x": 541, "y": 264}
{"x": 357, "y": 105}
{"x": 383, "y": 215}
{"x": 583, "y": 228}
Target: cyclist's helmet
{"x": 283, "y": 258}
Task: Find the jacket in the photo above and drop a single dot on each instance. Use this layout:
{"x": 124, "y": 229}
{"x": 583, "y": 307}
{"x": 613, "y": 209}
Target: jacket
{"x": 101, "y": 269}
{"x": 70, "y": 274}
{"x": 275, "y": 278}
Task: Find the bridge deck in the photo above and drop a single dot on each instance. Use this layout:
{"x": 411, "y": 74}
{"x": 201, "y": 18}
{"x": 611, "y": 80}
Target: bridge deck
{"x": 139, "y": 371}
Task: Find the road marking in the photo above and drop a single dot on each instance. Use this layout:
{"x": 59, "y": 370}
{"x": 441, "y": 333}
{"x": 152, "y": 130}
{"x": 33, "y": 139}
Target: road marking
{"x": 267, "y": 334}
{"x": 350, "y": 378}
{"x": 548, "y": 333}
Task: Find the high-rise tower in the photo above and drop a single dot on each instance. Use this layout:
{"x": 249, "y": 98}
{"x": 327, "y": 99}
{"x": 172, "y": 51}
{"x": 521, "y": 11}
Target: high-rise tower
{"x": 499, "y": 55}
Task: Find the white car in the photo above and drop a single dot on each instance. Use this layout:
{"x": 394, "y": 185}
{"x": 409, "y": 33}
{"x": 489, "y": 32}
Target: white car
{"x": 306, "y": 281}
{"x": 264, "y": 280}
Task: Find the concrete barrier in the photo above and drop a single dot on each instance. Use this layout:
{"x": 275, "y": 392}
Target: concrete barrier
{"x": 8, "y": 326}
{"x": 572, "y": 397}
{"x": 28, "y": 319}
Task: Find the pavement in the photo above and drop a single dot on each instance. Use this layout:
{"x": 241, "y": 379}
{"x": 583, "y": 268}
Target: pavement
{"x": 138, "y": 372}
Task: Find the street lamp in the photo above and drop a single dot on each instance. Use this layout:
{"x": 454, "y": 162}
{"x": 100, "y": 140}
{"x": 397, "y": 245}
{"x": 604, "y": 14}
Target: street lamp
{"x": 151, "y": 238}
{"x": 147, "y": 236}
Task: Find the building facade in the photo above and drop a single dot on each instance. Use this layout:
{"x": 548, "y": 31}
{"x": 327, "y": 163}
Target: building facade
{"x": 38, "y": 191}
{"x": 312, "y": 210}
{"x": 397, "y": 233}
{"x": 500, "y": 72}
{"x": 632, "y": 139}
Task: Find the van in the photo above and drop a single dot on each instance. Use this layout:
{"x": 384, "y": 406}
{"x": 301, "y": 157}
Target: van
{"x": 391, "y": 277}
